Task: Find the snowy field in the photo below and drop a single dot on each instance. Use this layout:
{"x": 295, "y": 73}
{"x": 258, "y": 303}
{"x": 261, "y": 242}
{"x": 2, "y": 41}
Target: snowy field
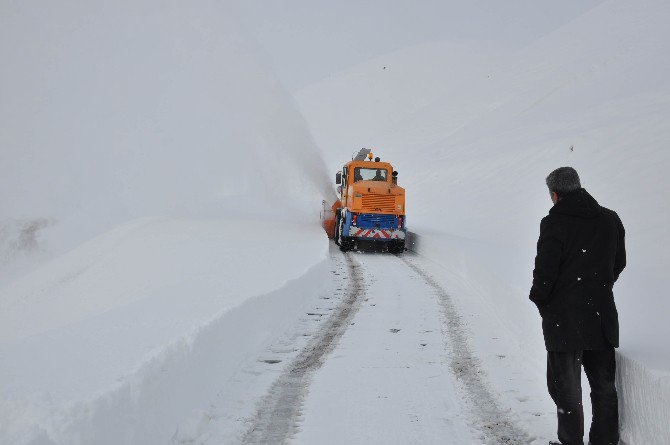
{"x": 164, "y": 279}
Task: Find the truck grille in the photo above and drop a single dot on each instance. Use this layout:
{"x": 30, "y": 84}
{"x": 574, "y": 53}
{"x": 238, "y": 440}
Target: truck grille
{"x": 378, "y": 203}
{"x": 377, "y": 220}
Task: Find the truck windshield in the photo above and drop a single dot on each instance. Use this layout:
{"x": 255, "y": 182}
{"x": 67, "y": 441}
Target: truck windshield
{"x": 369, "y": 174}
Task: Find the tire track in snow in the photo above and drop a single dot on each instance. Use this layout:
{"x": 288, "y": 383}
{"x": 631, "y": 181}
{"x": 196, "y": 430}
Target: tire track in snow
{"x": 494, "y": 422}
{"x": 278, "y": 413}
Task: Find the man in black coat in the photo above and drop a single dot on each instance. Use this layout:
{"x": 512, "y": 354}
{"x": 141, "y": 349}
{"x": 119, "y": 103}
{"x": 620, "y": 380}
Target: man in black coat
{"x": 580, "y": 254}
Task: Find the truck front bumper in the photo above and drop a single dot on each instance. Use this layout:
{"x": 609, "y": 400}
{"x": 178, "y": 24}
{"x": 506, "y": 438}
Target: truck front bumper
{"x": 377, "y": 234}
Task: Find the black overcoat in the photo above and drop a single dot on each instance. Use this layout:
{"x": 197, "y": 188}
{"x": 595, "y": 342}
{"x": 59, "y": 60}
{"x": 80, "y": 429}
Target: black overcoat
{"x": 580, "y": 254}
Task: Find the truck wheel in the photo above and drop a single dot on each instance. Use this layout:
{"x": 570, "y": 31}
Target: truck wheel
{"x": 347, "y": 245}
{"x": 340, "y": 238}
{"x": 336, "y": 238}
{"x": 396, "y": 247}
{"x": 340, "y": 223}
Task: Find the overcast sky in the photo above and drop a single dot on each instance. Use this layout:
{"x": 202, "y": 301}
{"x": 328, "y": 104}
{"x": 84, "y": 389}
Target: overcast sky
{"x": 307, "y": 40}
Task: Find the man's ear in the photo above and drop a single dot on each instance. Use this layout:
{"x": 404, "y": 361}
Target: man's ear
{"x": 554, "y": 197}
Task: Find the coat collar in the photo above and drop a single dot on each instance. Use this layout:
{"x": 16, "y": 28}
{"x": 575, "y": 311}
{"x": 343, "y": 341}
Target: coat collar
{"x": 578, "y": 203}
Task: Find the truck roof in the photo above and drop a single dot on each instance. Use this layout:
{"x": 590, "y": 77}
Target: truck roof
{"x": 369, "y": 164}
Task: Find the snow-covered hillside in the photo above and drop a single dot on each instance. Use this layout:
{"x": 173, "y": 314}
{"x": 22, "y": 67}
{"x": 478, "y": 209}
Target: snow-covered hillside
{"x": 475, "y": 136}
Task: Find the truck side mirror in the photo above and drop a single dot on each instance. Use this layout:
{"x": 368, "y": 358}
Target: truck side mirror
{"x": 338, "y": 178}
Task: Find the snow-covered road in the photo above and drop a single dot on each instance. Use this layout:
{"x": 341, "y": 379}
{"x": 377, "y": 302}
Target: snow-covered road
{"x": 388, "y": 362}
{"x": 388, "y": 380}
{"x": 278, "y": 413}
{"x": 403, "y": 372}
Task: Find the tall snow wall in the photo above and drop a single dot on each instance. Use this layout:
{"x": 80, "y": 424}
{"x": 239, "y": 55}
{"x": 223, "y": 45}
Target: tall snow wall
{"x": 118, "y": 110}
{"x": 161, "y": 125}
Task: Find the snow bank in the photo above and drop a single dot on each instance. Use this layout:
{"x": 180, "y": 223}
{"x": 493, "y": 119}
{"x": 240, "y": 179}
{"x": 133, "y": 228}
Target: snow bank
{"x": 178, "y": 181}
{"x": 593, "y": 94}
{"x": 644, "y": 396}
{"x": 114, "y": 341}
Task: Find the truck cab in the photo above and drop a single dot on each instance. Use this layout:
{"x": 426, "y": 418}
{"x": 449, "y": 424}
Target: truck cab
{"x": 372, "y": 205}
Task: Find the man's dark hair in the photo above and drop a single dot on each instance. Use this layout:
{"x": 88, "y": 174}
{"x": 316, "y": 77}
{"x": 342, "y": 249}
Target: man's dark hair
{"x": 563, "y": 180}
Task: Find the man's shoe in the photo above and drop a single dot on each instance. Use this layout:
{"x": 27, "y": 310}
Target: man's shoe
{"x": 551, "y": 442}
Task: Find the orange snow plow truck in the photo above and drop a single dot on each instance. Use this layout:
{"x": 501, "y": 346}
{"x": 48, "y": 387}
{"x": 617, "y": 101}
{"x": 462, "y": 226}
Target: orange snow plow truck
{"x": 371, "y": 208}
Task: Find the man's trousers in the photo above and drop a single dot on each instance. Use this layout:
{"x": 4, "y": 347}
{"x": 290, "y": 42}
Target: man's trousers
{"x": 564, "y": 371}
